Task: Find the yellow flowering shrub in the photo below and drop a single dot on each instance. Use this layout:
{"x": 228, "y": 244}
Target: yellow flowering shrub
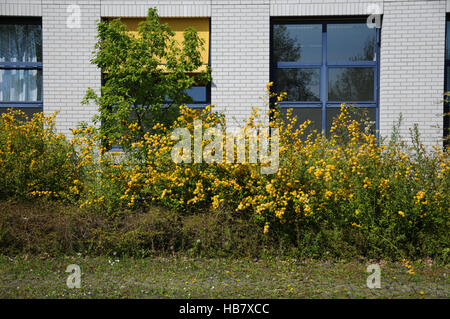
{"x": 35, "y": 161}
{"x": 347, "y": 190}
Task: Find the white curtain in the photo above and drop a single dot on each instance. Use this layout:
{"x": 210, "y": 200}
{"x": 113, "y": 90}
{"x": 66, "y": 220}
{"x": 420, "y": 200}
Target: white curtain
{"x": 20, "y": 43}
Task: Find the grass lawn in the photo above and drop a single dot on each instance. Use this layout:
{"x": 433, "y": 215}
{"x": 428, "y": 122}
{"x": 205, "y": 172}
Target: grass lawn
{"x": 179, "y": 277}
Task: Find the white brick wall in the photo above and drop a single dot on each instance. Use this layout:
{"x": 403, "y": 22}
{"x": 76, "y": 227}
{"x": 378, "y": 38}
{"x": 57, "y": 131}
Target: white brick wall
{"x": 321, "y": 7}
{"x": 412, "y": 67}
{"x": 412, "y": 52}
{"x": 67, "y": 71}
{"x": 166, "y": 8}
{"x": 240, "y": 32}
{"x": 20, "y": 8}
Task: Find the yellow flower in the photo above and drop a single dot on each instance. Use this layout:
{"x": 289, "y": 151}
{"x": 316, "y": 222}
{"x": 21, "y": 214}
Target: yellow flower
{"x": 266, "y": 228}
{"x": 401, "y": 213}
{"x": 269, "y": 189}
{"x": 215, "y": 202}
{"x": 419, "y": 196}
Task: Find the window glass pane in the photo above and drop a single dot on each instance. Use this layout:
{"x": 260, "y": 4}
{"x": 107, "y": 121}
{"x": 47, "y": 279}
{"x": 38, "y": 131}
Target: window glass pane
{"x": 314, "y": 114}
{"x": 350, "y": 84}
{"x": 447, "y": 47}
{"x": 20, "y": 85}
{"x": 366, "y": 116}
{"x": 197, "y": 93}
{"x": 297, "y": 43}
{"x": 306, "y": 113}
{"x": 448, "y": 79}
{"x": 447, "y": 107}
{"x": 300, "y": 84}
{"x": 20, "y": 43}
{"x": 350, "y": 42}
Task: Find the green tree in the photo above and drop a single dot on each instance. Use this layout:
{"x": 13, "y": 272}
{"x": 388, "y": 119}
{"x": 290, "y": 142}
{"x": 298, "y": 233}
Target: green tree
{"x": 145, "y": 77}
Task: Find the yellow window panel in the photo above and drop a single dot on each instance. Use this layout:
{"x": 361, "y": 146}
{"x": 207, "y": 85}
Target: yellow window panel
{"x": 178, "y": 26}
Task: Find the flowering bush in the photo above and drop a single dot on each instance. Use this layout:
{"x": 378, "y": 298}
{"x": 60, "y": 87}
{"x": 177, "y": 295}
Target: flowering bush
{"x": 35, "y": 161}
{"x": 348, "y": 193}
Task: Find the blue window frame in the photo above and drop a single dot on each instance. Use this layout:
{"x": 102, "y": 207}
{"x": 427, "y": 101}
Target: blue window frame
{"x": 21, "y": 64}
{"x": 200, "y": 94}
{"x": 323, "y": 63}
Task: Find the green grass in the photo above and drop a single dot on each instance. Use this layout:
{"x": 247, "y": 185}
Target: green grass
{"x": 179, "y": 277}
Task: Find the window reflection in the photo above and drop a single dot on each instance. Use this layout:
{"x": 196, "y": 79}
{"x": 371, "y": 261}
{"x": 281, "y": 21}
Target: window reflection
{"x": 20, "y": 85}
{"x": 20, "y": 43}
{"x": 20, "y": 62}
{"x": 314, "y": 114}
{"x": 299, "y": 84}
{"x": 366, "y": 117}
{"x": 297, "y": 43}
{"x": 447, "y": 47}
{"x": 350, "y": 84}
{"x": 350, "y": 42}
{"x": 197, "y": 93}
{"x": 348, "y": 75}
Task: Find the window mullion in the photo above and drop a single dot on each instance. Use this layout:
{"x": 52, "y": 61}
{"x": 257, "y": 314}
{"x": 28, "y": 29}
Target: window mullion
{"x": 324, "y": 78}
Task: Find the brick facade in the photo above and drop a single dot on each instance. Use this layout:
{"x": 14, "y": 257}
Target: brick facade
{"x": 411, "y": 66}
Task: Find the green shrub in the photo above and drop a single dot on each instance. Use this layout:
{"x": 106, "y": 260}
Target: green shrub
{"x": 345, "y": 195}
{"x": 35, "y": 161}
